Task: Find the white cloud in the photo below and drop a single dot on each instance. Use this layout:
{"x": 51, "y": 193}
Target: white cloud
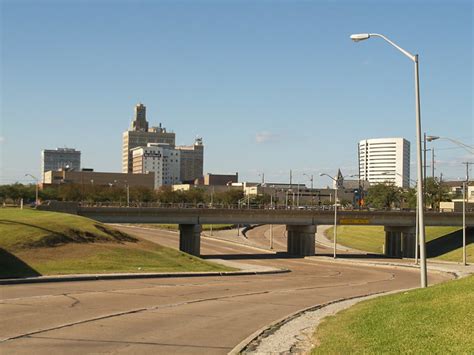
{"x": 265, "y": 137}
{"x": 2, "y": 139}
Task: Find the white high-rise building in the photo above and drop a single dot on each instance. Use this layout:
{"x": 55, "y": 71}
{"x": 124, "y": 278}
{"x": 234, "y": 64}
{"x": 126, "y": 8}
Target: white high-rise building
{"x": 160, "y": 158}
{"x": 385, "y": 160}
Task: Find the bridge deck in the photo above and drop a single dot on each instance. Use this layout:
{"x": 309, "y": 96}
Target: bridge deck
{"x": 267, "y": 216}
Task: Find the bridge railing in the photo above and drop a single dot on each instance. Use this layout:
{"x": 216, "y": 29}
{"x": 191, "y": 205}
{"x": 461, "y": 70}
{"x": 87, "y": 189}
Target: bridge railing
{"x": 251, "y": 206}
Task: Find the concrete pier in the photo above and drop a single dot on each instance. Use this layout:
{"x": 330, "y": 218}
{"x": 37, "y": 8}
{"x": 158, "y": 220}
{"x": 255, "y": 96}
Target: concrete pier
{"x": 400, "y": 241}
{"x": 190, "y": 238}
{"x": 301, "y": 239}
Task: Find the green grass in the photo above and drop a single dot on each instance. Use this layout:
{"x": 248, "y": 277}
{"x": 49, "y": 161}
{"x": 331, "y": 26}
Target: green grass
{"x": 436, "y": 320}
{"x": 175, "y": 227}
{"x": 45, "y": 243}
{"x": 372, "y": 238}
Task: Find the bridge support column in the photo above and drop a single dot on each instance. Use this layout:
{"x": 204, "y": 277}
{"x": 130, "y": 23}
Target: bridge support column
{"x": 400, "y": 241}
{"x": 190, "y": 238}
{"x": 301, "y": 239}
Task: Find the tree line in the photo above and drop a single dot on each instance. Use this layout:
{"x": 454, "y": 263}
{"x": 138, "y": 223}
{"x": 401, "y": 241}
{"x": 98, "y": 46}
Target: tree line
{"x": 388, "y": 196}
{"x": 13, "y": 193}
{"x": 379, "y": 196}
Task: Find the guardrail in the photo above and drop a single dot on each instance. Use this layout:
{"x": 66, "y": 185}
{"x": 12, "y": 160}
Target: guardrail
{"x": 224, "y": 206}
{"x": 220, "y": 206}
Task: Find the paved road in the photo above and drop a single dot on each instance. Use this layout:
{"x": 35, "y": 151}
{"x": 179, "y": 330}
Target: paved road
{"x": 207, "y": 315}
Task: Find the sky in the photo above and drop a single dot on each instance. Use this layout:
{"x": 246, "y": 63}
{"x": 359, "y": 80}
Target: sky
{"x": 269, "y": 85}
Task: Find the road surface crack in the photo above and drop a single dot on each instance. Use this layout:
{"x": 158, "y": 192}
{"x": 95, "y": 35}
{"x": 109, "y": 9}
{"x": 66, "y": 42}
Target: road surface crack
{"x": 133, "y": 311}
{"x": 74, "y": 299}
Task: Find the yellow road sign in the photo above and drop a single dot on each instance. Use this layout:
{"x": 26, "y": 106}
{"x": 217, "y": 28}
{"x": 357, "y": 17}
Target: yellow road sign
{"x": 354, "y": 221}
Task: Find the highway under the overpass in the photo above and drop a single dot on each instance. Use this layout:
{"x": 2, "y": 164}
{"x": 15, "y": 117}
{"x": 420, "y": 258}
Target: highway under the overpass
{"x": 205, "y": 315}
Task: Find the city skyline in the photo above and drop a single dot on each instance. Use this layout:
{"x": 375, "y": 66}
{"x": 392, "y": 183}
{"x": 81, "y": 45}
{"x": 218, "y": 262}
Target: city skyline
{"x": 269, "y": 86}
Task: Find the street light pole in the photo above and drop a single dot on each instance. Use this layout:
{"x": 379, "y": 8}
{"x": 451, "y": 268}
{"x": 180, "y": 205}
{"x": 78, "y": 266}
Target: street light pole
{"x": 464, "y": 223}
{"x": 128, "y": 193}
{"x": 414, "y": 58}
{"x": 335, "y": 215}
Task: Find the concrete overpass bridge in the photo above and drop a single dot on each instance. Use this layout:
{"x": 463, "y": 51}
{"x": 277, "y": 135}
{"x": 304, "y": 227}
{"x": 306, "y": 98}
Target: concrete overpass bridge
{"x": 301, "y": 225}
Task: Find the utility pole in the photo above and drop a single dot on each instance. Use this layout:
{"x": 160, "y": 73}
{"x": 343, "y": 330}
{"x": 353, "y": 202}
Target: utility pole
{"x": 467, "y": 163}
{"x": 432, "y": 162}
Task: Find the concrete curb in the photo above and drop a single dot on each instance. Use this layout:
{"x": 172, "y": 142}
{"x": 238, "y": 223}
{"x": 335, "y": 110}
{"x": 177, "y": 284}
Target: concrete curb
{"x": 88, "y": 277}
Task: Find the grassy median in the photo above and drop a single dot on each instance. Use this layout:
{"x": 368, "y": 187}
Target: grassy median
{"x": 442, "y": 242}
{"x": 36, "y": 243}
{"x": 436, "y": 320}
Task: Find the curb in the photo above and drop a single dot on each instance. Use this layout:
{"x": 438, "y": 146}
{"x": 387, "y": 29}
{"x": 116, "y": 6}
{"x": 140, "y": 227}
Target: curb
{"x": 45, "y": 279}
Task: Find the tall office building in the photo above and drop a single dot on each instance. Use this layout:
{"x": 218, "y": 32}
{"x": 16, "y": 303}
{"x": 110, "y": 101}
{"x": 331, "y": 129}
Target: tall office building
{"x": 159, "y": 158}
{"x": 139, "y": 135}
{"x": 385, "y": 160}
{"x": 192, "y": 161}
{"x": 60, "y": 159}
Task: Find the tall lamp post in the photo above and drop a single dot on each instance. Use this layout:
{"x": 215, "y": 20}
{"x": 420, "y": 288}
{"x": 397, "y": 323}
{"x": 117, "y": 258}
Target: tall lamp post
{"x": 464, "y": 261}
{"x": 414, "y": 59}
{"x": 36, "y": 191}
{"x": 335, "y": 213}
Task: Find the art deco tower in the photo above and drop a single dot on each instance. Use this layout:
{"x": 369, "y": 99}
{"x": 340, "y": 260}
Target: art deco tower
{"x": 140, "y": 123}
{"x": 140, "y": 135}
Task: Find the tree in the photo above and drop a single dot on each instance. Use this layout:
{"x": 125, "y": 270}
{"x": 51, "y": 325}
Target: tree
{"x": 383, "y": 195}
{"x": 261, "y": 199}
{"x": 230, "y": 197}
{"x": 194, "y": 195}
{"x": 409, "y": 197}
{"x": 71, "y": 192}
{"x": 435, "y": 192}
{"x": 165, "y": 194}
{"x": 141, "y": 194}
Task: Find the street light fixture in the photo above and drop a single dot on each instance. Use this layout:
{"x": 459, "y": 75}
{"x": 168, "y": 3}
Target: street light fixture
{"x": 36, "y": 190}
{"x": 467, "y": 147}
{"x": 414, "y": 59}
{"x": 335, "y": 213}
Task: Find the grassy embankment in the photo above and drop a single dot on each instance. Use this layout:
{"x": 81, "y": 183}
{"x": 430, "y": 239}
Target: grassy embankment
{"x": 45, "y": 243}
{"x": 175, "y": 227}
{"x": 435, "y": 320}
{"x": 372, "y": 238}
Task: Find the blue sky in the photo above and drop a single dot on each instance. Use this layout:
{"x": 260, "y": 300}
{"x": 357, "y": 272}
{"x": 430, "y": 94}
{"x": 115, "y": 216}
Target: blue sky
{"x": 269, "y": 85}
